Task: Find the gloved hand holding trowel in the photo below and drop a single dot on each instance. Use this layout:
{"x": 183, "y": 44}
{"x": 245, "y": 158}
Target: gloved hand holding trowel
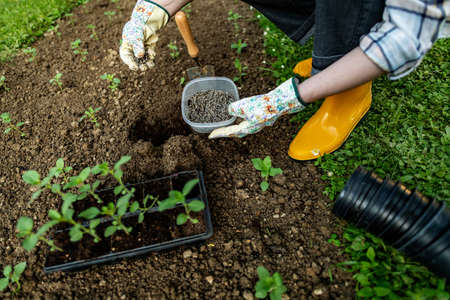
{"x": 355, "y": 42}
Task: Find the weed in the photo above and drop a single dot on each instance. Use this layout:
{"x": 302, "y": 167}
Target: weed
{"x": 174, "y": 53}
{"x": 177, "y": 197}
{"x": 31, "y": 51}
{"x": 90, "y": 113}
{"x": 12, "y": 276}
{"x": 269, "y": 285}
{"x": 3, "y": 84}
{"x": 113, "y": 81}
{"x": 57, "y": 80}
{"x": 94, "y": 33}
{"x": 238, "y": 46}
{"x": 6, "y": 119}
{"x": 110, "y": 14}
{"x": 75, "y": 45}
{"x": 265, "y": 166}
{"x": 240, "y": 68}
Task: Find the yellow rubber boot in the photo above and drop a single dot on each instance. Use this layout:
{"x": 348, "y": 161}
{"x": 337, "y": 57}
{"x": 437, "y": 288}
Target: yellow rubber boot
{"x": 304, "y": 68}
{"x": 330, "y": 126}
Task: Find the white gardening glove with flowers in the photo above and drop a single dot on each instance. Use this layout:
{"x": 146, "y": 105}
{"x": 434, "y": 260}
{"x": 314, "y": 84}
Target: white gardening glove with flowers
{"x": 139, "y": 34}
{"x": 262, "y": 110}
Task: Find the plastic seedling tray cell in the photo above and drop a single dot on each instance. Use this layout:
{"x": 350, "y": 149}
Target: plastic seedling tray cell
{"x": 157, "y": 232}
{"x": 205, "y": 84}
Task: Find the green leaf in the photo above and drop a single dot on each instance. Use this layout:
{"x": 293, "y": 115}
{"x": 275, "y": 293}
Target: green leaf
{"x": 182, "y": 218}
{"x": 84, "y": 188}
{"x": 110, "y": 230}
{"x": 7, "y": 270}
{"x": 20, "y": 124}
{"x": 276, "y": 294}
{"x": 30, "y": 242}
{"x": 60, "y": 163}
{"x": 36, "y": 195}
{"x": 362, "y": 279}
{"x": 31, "y": 177}
{"x": 101, "y": 168}
{"x": 141, "y": 218}
{"x": 381, "y": 291}
{"x": 89, "y": 213}
{"x": 44, "y": 228}
{"x": 134, "y": 206}
{"x": 122, "y": 160}
{"x": 370, "y": 254}
{"x": 68, "y": 199}
{"x": 118, "y": 173}
{"x": 18, "y": 270}
{"x": 194, "y": 221}
{"x": 118, "y": 189}
{"x": 75, "y": 233}
{"x": 196, "y": 205}
{"x": 24, "y": 224}
{"x": 261, "y": 290}
{"x": 365, "y": 292}
{"x": 275, "y": 171}
{"x": 262, "y": 272}
{"x": 84, "y": 174}
{"x": 267, "y": 162}
{"x": 257, "y": 163}
{"x": 94, "y": 223}
{"x": 95, "y": 185}
{"x": 189, "y": 186}
{"x": 4, "y": 282}
{"x": 264, "y": 186}
{"x": 166, "y": 204}
{"x": 122, "y": 203}
{"x": 56, "y": 188}
{"x": 68, "y": 214}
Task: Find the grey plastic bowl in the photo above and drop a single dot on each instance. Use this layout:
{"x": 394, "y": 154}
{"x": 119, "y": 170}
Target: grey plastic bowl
{"x": 203, "y": 84}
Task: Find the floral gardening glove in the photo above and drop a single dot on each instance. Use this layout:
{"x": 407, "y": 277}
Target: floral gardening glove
{"x": 262, "y": 110}
{"x": 139, "y": 34}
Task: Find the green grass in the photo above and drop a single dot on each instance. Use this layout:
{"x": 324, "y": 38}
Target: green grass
{"x": 405, "y": 135}
{"x": 22, "y": 21}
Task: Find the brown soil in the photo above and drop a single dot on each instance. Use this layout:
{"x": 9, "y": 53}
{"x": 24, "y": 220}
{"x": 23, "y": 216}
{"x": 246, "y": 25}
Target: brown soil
{"x": 284, "y": 229}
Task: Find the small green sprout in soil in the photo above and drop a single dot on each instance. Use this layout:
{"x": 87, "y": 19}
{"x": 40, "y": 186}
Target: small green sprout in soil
{"x": 177, "y": 197}
{"x": 182, "y": 80}
{"x": 174, "y": 53}
{"x": 93, "y": 32}
{"x": 265, "y": 166}
{"x": 75, "y": 45}
{"x": 234, "y": 17}
{"x": 31, "y": 51}
{"x": 12, "y": 276}
{"x": 71, "y": 18}
{"x": 3, "y": 84}
{"x": 57, "y": 80}
{"x": 55, "y": 30}
{"x": 90, "y": 114}
{"x": 6, "y": 119}
{"x": 240, "y": 68}
{"x": 113, "y": 81}
{"x": 187, "y": 9}
{"x": 334, "y": 240}
{"x": 269, "y": 285}
{"x": 239, "y": 46}
{"x": 110, "y": 14}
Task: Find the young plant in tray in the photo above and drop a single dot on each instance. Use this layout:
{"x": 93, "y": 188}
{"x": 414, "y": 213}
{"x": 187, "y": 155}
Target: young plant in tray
{"x": 12, "y": 276}
{"x": 77, "y": 50}
{"x": 269, "y": 285}
{"x": 177, "y": 197}
{"x": 113, "y": 81}
{"x": 90, "y": 114}
{"x": 6, "y": 119}
{"x": 239, "y": 46}
{"x": 57, "y": 80}
{"x": 266, "y": 169}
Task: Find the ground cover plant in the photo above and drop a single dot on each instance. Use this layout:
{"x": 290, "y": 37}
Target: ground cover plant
{"x": 410, "y": 135}
{"x": 266, "y": 169}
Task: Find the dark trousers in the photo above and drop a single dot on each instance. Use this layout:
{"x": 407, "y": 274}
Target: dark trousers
{"x": 337, "y": 25}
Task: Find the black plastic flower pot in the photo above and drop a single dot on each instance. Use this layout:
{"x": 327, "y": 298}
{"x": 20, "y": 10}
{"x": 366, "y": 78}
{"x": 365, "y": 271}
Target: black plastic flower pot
{"x": 158, "y": 231}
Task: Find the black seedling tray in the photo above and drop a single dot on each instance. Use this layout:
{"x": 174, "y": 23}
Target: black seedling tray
{"x": 114, "y": 256}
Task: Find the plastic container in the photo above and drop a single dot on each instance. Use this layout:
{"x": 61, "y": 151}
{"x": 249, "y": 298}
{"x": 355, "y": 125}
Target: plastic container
{"x": 204, "y": 84}
{"x": 198, "y": 193}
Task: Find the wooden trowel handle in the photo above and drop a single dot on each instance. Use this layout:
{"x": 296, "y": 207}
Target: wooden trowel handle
{"x": 186, "y": 33}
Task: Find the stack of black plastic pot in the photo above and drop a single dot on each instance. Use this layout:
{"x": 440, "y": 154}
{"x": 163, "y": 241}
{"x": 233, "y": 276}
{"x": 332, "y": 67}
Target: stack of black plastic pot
{"x": 405, "y": 219}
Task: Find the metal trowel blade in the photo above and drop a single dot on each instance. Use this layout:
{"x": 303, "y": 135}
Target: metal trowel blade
{"x": 196, "y": 72}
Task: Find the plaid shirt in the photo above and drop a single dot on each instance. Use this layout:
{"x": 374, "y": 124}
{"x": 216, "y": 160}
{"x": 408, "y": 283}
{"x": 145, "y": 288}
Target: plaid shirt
{"x": 408, "y": 30}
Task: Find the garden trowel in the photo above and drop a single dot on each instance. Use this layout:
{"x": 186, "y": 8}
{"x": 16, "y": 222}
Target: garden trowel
{"x": 186, "y": 33}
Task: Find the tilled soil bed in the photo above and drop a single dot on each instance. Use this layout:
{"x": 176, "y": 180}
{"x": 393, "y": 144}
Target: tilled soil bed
{"x": 284, "y": 229}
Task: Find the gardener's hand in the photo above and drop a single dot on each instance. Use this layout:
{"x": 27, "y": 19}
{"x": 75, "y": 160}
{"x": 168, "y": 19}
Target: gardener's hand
{"x": 262, "y": 110}
{"x": 139, "y": 35}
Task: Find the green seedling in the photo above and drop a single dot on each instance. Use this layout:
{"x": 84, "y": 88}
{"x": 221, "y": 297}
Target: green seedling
{"x": 334, "y": 240}
{"x": 3, "y": 84}
{"x": 240, "y": 68}
{"x": 55, "y": 30}
{"x": 177, "y": 197}
{"x": 6, "y": 119}
{"x": 31, "y": 51}
{"x": 233, "y": 17}
{"x": 174, "y": 53}
{"x": 110, "y": 14}
{"x": 269, "y": 285}
{"x": 12, "y": 276}
{"x": 90, "y": 114}
{"x": 94, "y": 33}
{"x": 57, "y": 80}
{"x": 113, "y": 81}
{"x": 182, "y": 80}
{"x": 75, "y": 45}
{"x": 265, "y": 167}
{"x": 239, "y": 46}
{"x": 72, "y": 189}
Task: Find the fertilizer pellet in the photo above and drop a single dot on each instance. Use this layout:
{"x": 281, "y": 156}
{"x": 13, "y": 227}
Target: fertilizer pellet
{"x": 209, "y": 106}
